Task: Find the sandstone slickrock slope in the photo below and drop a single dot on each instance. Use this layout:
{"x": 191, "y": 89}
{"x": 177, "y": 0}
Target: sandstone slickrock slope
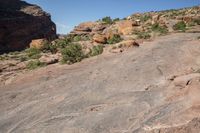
{"x": 151, "y": 89}
{"x": 152, "y": 86}
{"x": 21, "y": 22}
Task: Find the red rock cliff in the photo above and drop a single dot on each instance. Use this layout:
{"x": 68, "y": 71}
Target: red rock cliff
{"x": 21, "y": 22}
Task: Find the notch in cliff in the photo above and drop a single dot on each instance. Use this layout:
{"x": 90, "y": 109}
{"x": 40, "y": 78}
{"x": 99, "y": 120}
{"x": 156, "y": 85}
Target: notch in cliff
{"x": 21, "y": 22}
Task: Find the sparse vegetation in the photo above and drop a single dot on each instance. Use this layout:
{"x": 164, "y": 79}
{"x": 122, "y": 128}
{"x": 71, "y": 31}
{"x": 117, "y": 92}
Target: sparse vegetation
{"x": 33, "y": 53}
{"x": 116, "y": 19}
{"x": 78, "y": 38}
{"x": 107, "y": 20}
{"x": 145, "y": 18}
{"x": 157, "y": 28}
{"x": 72, "y": 53}
{"x": 48, "y": 47}
{"x": 96, "y": 50}
{"x": 142, "y": 35}
{"x": 114, "y": 39}
{"x": 35, "y": 64}
{"x": 23, "y": 58}
{"x": 62, "y": 43}
{"x": 181, "y": 26}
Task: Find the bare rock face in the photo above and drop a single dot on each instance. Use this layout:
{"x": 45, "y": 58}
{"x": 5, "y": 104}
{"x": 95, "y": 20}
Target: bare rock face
{"x": 191, "y": 127}
{"x": 151, "y": 89}
{"x": 20, "y": 23}
{"x": 89, "y": 28}
{"x": 125, "y": 27}
{"x": 99, "y": 38}
{"x": 37, "y": 43}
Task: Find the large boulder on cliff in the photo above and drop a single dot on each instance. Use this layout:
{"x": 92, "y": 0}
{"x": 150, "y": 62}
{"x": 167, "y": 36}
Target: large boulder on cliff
{"x": 20, "y": 23}
{"x": 89, "y": 28}
{"x": 126, "y": 27}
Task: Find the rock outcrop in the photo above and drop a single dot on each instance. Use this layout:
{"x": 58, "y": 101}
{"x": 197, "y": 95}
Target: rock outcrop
{"x": 141, "y": 25}
{"x": 21, "y": 22}
{"x": 152, "y": 89}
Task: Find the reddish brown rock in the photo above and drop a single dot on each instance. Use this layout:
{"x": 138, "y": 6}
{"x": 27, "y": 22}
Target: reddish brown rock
{"x": 38, "y": 43}
{"x": 125, "y": 27}
{"x": 99, "y": 38}
{"x": 20, "y": 23}
{"x": 89, "y": 28}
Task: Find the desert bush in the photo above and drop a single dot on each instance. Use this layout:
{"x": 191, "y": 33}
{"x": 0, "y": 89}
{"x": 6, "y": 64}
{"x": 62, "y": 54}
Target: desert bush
{"x": 72, "y": 53}
{"x": 107, "y": 20}
{"x": 116, "y": 19}
{"x": 33, "y": 53}
{"x": 23, "y": 58}
{"x": 34, "y": 64}
{"x": 77, "y": 38}
{"x": 96, "y": 50}
{"x": 48, "y": 47}
{"x": 62, "y": 43}
{"x": 114, "y": 39}
{"x": 157, "y": 28}
{"x": 198, "y": 37}
{"x": 81, "y": 38}
{"x": 181, "y": 26}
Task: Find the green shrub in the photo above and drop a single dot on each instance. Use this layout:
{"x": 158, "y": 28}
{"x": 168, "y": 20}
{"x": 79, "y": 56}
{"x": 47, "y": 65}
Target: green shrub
{"x": 35, "y": 64}
{"x": 77, "y": 38}
{"x": 62, "y": 43}
{"x": 23, "y": 58}
{"x": 80, "y": 38}
{"x": 107, "y": 20}
{"x": 14, "y": 53}
{"x": 157, "y": 28}
{"x": 48, "y": 47}
{"x": 96, "y": 50}
{"x": 116, "y": 19}
{"x": 33, "y": 53}
{"x": 198, "y": 38}
{"x": 115, "y": 39}
{"x": 180, "y": 26}
{"x": 72, "y": 53}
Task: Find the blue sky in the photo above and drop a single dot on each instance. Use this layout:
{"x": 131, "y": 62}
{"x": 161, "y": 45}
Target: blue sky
{"x": 69, "y": 13}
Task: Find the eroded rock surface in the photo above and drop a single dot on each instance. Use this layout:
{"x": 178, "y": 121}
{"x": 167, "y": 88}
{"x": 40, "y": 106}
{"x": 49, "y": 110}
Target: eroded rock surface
{"x": 154, "y": 88}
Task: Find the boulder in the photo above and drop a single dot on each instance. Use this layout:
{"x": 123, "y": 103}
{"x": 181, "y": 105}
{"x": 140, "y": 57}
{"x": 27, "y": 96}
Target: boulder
{"x": 110, "y": 31}
{"x": 49, "y": 59}
{"x": 83, "y": 28}
{"x": 20, "y": 23}
{"x": 125, "y": 27}
{"x": 99, "y": 27}
{"x": 38, "y": 43}
{"x": 99, "y": 38}
{"x": 89, "y": 28}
